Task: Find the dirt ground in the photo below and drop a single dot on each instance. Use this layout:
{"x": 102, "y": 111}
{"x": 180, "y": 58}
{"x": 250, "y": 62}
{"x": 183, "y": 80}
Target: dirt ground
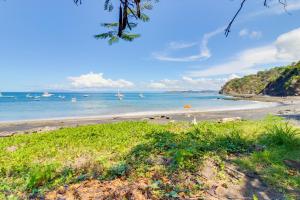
{"x": 216, "y": 183}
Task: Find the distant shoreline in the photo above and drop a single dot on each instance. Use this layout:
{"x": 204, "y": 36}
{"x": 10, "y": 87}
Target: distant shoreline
{"x": 148, "y": 113}
{"x": 262, "y": 98}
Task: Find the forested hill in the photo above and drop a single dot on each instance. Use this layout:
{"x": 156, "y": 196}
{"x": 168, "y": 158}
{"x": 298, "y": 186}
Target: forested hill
{"x": 278, "y": 81}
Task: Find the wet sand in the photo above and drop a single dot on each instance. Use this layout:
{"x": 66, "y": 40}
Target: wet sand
{"x": 288, "y": 108}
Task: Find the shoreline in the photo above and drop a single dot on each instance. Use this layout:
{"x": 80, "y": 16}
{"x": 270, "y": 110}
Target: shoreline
{"x": 278, "y": 106}
{"x": 259, "y": 105}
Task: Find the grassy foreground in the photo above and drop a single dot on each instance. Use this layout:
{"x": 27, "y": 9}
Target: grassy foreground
{"x": 31, "y": 165}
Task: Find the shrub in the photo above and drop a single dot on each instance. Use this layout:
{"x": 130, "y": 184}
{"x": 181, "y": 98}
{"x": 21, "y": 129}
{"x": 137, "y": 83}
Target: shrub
{"x": 40, "y": 175}
{"x": 281, "y": 135}
{"x": 118, "y": 170}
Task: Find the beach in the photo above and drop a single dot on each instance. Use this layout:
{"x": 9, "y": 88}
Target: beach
{"x": 288, "y": 107}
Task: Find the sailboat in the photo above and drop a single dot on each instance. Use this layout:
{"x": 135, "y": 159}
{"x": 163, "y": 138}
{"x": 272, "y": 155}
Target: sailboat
{"x": 74, "y": 100}
{"x": 141, "y": 95}
{"x": 46, "y": 94}
{"x": 119, "y": 95}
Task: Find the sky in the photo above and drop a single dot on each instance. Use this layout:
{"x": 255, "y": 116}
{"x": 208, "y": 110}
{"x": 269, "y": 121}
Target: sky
{"x": 49, "y": 45}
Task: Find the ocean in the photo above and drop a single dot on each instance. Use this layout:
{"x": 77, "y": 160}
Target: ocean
{"x": 33, "y": 106}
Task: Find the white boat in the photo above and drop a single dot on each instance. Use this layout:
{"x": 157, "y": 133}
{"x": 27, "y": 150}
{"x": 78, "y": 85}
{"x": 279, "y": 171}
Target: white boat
{"x": 74, "y": 100}
{"x": 86, "y": 95}
{"x": 29, "y": 96}
{"x": 36, "y": 98}
{"x": 46, "y": 94}
{"x": 119, "y": 95}
{"x": 2, "y": 96}
{"x": 61, "y": 97}
{"x": 141, "y": 96}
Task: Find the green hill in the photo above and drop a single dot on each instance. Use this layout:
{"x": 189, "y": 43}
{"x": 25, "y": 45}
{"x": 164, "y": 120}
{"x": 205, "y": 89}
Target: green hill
{"x": 278, "y": 81}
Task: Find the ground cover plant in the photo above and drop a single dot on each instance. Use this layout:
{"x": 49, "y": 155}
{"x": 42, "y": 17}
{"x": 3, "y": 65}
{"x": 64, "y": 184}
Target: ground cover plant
{"x": 162, "y": 157}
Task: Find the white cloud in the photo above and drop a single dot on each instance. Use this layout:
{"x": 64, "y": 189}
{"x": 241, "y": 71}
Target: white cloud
{"x": 288, "y": 45}
{"x": 93, "y": 80}
{"x": 164, "y": 84}
{"x": 188, "y": 83}
{"x": 285, "y": 49}
{"x": 202, "y": 55}
{"x": 233, "y": 76}
{"x": 244, "y": 32}
{"x": 250, "y": 34}
{"x": 157, "y": 85}
{"x": 292, "y": 6}
{"x": 181, "y": 45}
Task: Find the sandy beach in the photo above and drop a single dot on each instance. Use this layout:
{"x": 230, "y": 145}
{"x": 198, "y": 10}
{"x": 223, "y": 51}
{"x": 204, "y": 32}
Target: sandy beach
{"x": 287, "y": 107}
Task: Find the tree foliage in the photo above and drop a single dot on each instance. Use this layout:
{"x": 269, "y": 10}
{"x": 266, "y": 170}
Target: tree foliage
{"x": 130, "y": 12}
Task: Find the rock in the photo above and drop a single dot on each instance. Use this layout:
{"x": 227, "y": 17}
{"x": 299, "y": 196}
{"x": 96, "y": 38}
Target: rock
{"x": 6, "y": 134}
{"x": 155, "y": 117}
{"x": 165, "y": 117}
{"x": 258, "y": 148}
{"x": 11, "y": 149}
{"x": 230, "y": 119}
{"x": 292, "y": 164}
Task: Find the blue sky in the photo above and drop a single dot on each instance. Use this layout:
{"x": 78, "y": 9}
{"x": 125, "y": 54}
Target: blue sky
{"x": 49, "y": 45}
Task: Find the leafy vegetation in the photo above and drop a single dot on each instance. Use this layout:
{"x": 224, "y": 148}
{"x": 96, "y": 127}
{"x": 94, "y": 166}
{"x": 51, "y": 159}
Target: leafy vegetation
{"x": 130, "y": 12}
{"x": 279, "y": 81}
{"x": 282, "y": 143}
{"x": 32, "y": 164}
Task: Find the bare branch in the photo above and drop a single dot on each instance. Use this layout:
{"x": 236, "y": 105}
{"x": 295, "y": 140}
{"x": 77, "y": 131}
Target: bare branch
{"x": 227, "y": 30}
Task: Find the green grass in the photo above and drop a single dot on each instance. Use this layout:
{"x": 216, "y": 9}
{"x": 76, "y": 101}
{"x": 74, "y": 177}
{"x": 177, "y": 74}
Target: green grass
{"x": 35, "y": 163}
{"x": 282, "y": 142}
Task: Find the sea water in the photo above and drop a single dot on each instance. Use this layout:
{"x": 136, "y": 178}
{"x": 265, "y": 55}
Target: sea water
{"x": 33, "y": 106}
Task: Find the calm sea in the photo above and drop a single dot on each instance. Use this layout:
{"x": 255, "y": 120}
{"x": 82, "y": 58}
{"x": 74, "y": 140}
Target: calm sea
{"x": 30, "y": 106}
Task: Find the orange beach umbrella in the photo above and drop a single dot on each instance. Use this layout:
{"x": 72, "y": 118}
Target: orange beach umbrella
{"x": 187, "y": 106}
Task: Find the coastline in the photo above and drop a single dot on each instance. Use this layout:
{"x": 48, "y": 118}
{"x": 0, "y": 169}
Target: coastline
{"x": 261, "y": 98}
{"x": 258, "y": 105}
{"x": 277, "y": 106}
